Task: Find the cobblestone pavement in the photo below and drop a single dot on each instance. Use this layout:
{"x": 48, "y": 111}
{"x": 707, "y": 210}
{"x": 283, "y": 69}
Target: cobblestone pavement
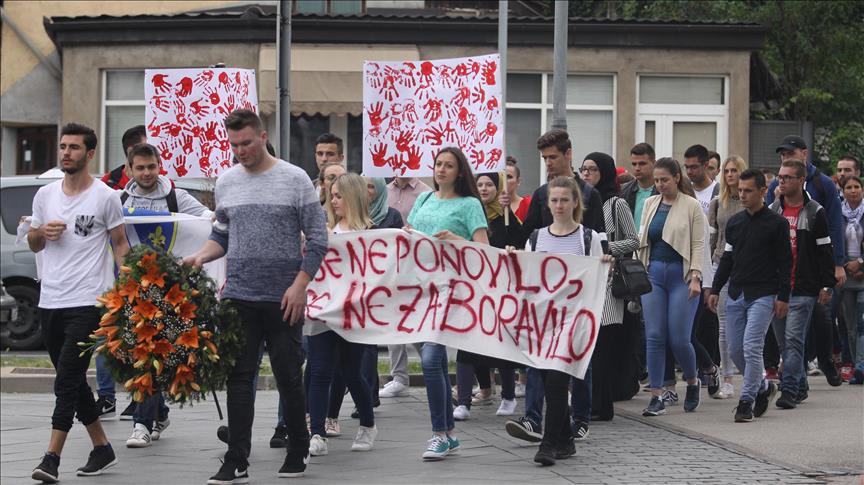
{"x": 625, "y": 450}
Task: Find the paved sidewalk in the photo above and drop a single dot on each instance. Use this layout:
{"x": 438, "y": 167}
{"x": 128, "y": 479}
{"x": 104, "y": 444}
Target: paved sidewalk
{"x": 625, "y": 450}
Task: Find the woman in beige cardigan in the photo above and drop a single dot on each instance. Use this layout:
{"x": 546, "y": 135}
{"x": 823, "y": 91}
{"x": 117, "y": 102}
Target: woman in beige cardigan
{"x": 671, "y": 246}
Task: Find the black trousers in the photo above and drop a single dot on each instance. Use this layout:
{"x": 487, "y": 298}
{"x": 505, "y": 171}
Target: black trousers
{"x": 557, "y": 431}
{"x": 62, "y": 329}
{"x": 263, "y": 321}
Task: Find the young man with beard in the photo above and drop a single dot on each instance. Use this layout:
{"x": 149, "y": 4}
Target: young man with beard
{"x": 73, "y": 220}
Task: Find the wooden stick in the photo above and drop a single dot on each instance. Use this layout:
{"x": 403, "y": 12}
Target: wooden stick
{"x": 502, "y": 185}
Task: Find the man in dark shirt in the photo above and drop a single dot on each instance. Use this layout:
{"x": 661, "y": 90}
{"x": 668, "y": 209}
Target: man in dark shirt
{"x": 758, "y": 259}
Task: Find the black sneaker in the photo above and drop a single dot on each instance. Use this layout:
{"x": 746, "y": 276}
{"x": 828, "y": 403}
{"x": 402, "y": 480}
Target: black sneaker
{"x": 691, "y": 399}
{"x": 524, "y": 429}
{"x": 47, "y": 470}
{"x": 832, "y": 376}
{"x": 655, "y": 407}
{"x": 763, "y": 398}
{"x": 568, "y": 450}
{"x": 233, "y": 470}
{"x": 545, "y": 455}
{"x": 713, "y": 381}
{"x": 744, "y": 412}
{"x": 280, "y": 437}
{"x": 580, "y": 431}
{"x": 107, "y": 407}
{"x": 295, "y": 464}
{"x": 803, "y": 392}
{"x": 127, "y": 413}
{"x": 786, "y": 401}
{"x": 101, "y": 458}
{"x": 223, "y": 434}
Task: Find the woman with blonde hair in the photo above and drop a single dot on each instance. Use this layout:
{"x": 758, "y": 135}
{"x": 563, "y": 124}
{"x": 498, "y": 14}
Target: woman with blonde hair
{"x": 721, "y": 209}
{"x": 329, "y": 172}
{"x": 347, "y": 211}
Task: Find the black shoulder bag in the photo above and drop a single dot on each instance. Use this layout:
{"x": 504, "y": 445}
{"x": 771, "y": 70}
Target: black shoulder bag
{"x": 629, "y": 278}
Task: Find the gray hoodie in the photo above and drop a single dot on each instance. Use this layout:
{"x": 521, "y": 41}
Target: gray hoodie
{"x": 156, "y": 200}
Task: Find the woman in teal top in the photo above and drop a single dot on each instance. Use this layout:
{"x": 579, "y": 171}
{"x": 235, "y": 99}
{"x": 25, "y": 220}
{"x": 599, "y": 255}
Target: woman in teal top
{"x": 454, "y": 212}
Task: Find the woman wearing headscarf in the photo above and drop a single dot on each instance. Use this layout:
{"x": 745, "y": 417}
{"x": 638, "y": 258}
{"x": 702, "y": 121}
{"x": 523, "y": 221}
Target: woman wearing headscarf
{"x": 383, "y": 216}
{"x": 613, "y": 364}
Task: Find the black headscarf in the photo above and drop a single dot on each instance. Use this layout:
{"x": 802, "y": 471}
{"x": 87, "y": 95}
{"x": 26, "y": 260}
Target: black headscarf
{"x": 608, "y": 185}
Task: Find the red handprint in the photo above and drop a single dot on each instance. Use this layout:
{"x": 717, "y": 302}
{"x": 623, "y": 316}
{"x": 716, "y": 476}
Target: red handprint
{"x": 160, "y": 103}
{"x": 214, "y": 96}
{"x": 395, "y": 124}
{"x": 494, "y": 158}
{"x": 224, "y": 79}
{"x": 180, "y": 112}
{"x": 407, "y": 77}
{"x": 180, "y": 166}
{"x": 174, "y": 130}
{"x": 403, "y": 141}
{"x": 489, "y": 72}
{"x": 185, "y": 87}
{"x": 160, "y": 84}
{"x": 187, "y": 144}
{"x": 475, "y": 69}
{"x": 461, "y": 71}
{"x": 374, "y": 75}
{"x": 433, "y": 110}
{"x": 489, "y": 133}
{"x": 478, "y": 157}
{"x": 197, "y": 132}
{"x": 434, "y": 135}
{"x": 444, "y": 76}
{"x": 197, "y": 109}
{"x": 388, "y": 89}
{"x": 409, "y": 115}
{"x": 203, "y": 78}
{"x": 479, "y": 95}
{"x": 204, "y": 161}
{"x": 379, "y": 153}
{"x": 224, "y": 144}
{"x": 423, "y": 91}
{"x": 426, "y": 70}
{"x": 375, "y": 118}
{"x": 210, "y": 131}
{"x": 462, "y": 95}
{"x": 449, "y": 132}
{"x": 491, "y": 107}
{"x": 413, "y": 158}
{"x": 237, "y": 78}
{"x": 165, "y": 150}
{"x": 153, "y": 129}
{"x": 206, "y": 149}
{"x": 467, "y": 120}
{"x": 228, "y": 107}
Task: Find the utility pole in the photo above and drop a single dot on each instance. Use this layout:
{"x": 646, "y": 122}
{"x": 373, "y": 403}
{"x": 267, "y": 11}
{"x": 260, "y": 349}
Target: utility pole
{"x": 559, "y": 76}
{"x": 283, "y": 82}
{"x": 503, "y": 12}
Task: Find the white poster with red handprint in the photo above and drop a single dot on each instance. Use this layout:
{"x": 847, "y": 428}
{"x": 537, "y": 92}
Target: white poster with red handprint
{"x": 413, "y": 109}
{"x": 185, "y": 113}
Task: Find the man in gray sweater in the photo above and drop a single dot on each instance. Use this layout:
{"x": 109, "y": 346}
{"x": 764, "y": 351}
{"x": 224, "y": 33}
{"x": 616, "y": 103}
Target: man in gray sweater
{"x": 262, "y": 207}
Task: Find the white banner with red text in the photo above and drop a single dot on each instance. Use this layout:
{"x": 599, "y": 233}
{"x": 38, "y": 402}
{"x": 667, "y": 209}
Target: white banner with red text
{"x": 393, "y": 287}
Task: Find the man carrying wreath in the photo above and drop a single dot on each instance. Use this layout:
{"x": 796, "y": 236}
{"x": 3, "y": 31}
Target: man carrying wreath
{"x": 262, "y": 207}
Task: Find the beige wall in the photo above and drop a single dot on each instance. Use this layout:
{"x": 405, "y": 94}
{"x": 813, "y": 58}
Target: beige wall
{"x": 82, "y": 98}
{"x": 627, "y": 64}
{"x": 18, "y": 60}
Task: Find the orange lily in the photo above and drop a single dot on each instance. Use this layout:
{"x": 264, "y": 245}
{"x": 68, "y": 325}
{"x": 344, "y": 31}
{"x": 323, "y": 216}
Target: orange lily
{"x": 146, "y": 309}
{"x": 186, "y": 310}
{"x": 108, "y": 331}
{"x": 145, "y": 332}
{"x": 175, "y": 295}
{"x": 154, "y": 276}
{"x": 188, "y": 338}
{"x": 109, "y": 319}
{"x": 147, "y": 260}
{"x": 129, "y": 290}
{"x": 113, "y": 346}
{"x": 140, "y": 353}
{"x": 162, "y": 347}
{"x": 112, "y": 301}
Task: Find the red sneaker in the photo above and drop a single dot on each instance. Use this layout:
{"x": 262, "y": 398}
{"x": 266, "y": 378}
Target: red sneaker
{"x": 771, "y": 374}
{"x": 847, "y": 371}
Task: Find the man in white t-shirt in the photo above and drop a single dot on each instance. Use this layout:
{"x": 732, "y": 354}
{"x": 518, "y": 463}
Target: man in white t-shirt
{"x": 695, "y": 162}
{"x": 72, "y": 221}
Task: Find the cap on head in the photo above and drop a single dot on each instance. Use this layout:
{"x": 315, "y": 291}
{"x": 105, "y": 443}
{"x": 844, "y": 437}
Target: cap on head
{"x": 791, "y": 142}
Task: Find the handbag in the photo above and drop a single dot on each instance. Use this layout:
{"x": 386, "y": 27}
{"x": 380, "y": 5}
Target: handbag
{"x": 629, "y": 278}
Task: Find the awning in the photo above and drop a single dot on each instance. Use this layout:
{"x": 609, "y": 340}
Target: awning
{"x": 325, "y": 79}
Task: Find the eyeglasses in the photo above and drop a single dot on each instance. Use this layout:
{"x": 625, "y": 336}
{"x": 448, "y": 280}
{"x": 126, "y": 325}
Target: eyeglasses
{"x": 589, "y": 170}
{"x": 787, "y": 178}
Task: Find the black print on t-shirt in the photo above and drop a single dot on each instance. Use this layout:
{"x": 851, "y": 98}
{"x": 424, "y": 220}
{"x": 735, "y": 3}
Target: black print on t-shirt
{"x": 84, "y": 225}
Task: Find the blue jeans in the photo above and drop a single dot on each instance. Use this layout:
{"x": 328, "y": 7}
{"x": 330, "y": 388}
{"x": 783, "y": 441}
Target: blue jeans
{"x": 747, "y": 323}
{"x": 669, "y": 314}
{"x": 580, "y": 398}
{"x": 534, "y": 391}
{"x": 433, "y": 358}
{"x": 151, "y": 409}
{"x": 791, "y": 333}
{"x": 326, "y": 351}
{"x": 104, "y": 379}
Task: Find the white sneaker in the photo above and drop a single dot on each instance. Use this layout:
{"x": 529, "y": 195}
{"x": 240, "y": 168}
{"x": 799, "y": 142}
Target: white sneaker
{"x": 727, "y": 390}
{"x": 365, "y": 438}
{"x": 393, "y": 389}
{"x": 140, "y": 437}
{"x": 317, "y": 445}
{"x": 332, "y": 428}
{"x": 461, "y": 413}
{"x": 159, "y": 427}
{"x": 520, "y": 389}
{"x": 507, "y": 407}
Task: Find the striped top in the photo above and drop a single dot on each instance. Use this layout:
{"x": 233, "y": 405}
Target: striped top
{"x": 622, "y": 243}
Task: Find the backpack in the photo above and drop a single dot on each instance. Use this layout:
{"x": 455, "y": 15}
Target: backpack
{"x": 115, "y": 177}
{"x": 587, "y": 236}
{"x": 171, "y": 199}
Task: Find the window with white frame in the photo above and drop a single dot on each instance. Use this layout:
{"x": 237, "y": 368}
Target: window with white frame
{"x": 676, "y": 112}
{"x": 590, "y": 119}
{"x": 123, "y": 106}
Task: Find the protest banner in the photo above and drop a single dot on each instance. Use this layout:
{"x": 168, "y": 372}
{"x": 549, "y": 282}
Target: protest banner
{"x": 394, "y": 287}
{"x": 184, "y": 115}
{"x": 413, "y": 109}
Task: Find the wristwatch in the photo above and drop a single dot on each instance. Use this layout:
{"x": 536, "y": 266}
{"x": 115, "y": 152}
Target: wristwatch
{"x": 827, "y": 289}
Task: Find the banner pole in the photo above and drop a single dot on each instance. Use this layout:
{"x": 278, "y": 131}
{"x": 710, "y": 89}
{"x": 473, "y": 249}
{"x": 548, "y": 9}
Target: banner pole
{"x": 503, "y": 14}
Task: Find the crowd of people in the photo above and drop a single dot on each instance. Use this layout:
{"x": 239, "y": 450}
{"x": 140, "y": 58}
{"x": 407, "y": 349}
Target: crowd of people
{"x": 748, "y": 276}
